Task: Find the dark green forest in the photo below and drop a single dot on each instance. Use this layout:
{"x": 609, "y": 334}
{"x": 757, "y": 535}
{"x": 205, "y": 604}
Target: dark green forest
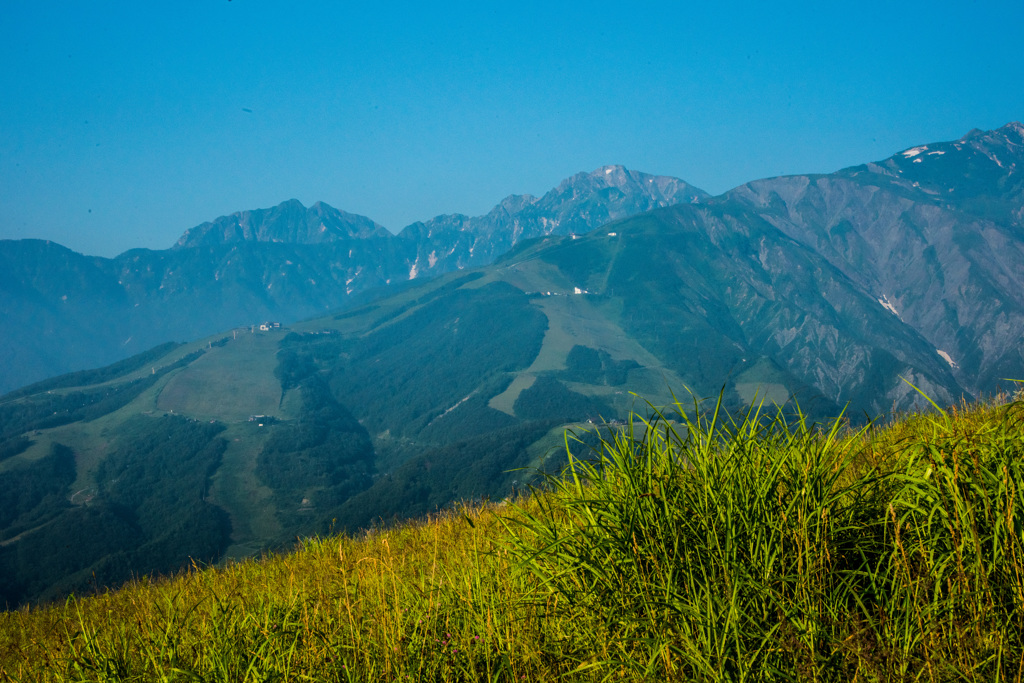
{"x": 34, "y": 492}
{"x": 548, "y": 398}
{"x": 407, "y": 373}
{"x": 590, "y": 366}
{"x": 486, "y": 466}
{"x": 323, "y": 458}
{"x": 148, "y": 514}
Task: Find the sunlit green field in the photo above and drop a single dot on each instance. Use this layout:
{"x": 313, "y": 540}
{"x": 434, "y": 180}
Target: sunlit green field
{"x": 725, "y": 548}
{"x": 228, "y": 384}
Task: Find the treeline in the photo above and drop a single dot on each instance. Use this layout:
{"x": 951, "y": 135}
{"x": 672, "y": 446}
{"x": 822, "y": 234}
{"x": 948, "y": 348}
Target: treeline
{"x": 486, "y": 466}
{"x": 404, "y": 375}
{"x": 591, "y": 366}
{"x": 547, "y": 398}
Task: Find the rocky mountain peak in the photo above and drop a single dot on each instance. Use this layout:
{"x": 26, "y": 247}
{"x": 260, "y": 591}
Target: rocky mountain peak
{"x": 289, "y": 222}
{"x": 1009, "y": 137}
{"x": 658, "y": 190}
{"x": 614, "y": 174}
{"x": 1013, "y": 128}
{"x": 516, "y": 202}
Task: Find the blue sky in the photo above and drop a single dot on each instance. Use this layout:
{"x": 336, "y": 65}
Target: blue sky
{"x": 124, "y": 123}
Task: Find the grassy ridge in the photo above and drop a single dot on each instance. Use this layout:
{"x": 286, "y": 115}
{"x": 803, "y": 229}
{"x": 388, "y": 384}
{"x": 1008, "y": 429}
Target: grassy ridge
{"x": 756, "y": 548}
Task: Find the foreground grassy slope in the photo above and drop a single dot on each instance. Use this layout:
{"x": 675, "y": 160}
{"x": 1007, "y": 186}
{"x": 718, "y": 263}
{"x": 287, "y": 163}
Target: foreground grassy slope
{"x": 719, "y": 550}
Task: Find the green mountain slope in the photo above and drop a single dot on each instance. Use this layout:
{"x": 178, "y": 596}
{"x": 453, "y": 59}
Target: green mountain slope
{"x": 439, "y": 392}
{"x": 935, "y": 234}
{"x": 826, "y": 542}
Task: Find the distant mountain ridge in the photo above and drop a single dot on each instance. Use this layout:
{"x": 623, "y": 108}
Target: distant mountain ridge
{"x": 288, "y": 222}
{"x": 934, "y": 233}
{"x": 62, "y": 311}
{"x": 578, "y": 205}
{"x": 877, "y": 223}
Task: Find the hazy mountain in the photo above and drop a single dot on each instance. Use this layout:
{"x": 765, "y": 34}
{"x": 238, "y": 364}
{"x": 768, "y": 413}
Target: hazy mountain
{"x": 288, "y": 222}
{"x": 61, "y": 311}
{"x": 578, "y": 205}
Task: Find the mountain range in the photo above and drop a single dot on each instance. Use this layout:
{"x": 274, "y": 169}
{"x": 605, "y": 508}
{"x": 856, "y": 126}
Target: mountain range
{"x": 835, "y": 289}
{"x": 62, "y": 311}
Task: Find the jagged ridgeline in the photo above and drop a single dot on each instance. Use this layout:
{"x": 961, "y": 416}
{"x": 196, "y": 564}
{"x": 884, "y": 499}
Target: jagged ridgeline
{"x": 932, "y": 234}
{"x": 65, "y": 311}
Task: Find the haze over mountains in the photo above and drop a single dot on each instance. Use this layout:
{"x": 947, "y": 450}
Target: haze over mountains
{"x": 831, "y": 287}
{"x": 62, "y": 311}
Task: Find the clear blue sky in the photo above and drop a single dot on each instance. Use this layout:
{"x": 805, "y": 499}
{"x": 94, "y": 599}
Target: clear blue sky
{"x": 124, "y": 123}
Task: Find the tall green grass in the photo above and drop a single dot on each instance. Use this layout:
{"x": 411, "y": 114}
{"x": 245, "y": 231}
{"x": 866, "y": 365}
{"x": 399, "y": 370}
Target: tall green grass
{"x": 764, "y": 548}
{"x": 955, "y": 568}
{"x": 718, "y": 548}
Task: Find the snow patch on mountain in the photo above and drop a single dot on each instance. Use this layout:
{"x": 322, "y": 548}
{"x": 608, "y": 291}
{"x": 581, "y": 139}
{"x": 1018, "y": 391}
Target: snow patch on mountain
{"x": 349, "y": 281}
{"x": 885, "y": 304}
{"x": 914, "y": 151}
{"x": 947, "y": 358}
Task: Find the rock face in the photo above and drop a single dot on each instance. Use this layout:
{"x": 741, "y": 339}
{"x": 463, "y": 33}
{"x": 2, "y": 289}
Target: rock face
{"x": 578, "y": 205}
{"x": 289, "y": 222}
{"x": 935, "y": 234}
{"x": 715, "y": 290}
